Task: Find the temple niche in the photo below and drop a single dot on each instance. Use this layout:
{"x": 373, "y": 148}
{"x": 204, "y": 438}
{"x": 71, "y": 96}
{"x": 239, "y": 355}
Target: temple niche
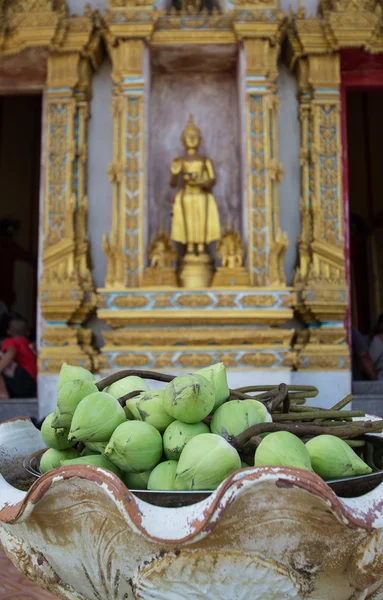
{"x": 201, "y": 81}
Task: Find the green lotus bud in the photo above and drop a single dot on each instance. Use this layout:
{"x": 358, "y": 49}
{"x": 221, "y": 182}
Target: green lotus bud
{"x": 135, "y": 446}
{"x": 68, "y": 373}
{"x": 96, "y": 461}
{"x": 205, "y": 462}
{"x": 332, "y": 458}
{"x": 178, "y": 434}
{"x": 149, "y": 407}
{"x": 136, "y": 481}
{"x": 163, "y": 476}
{"x": 51, "y": 459}
{"x": 264, "y": 415}
{"x": 125, "y": 386}
{"x": 216, "y": 375}
{"x": 234, "y": 417}
{"x": 88, "y": 452}
{"x": 98, "y": 447}
{"x": 55, "y": 438}
{"x": 282, "y": 449}
{"x": 95, "y": 418}
{"x": 189, "y": 398}
{"x": 69, "y": 397}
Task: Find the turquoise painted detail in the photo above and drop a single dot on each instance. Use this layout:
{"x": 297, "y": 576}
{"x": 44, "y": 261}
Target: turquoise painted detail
{"x": 214, "y": 297}
{"x": 256, "y": 89}
{"x": 258, "y": 185}
{"x": 215, "y": 355}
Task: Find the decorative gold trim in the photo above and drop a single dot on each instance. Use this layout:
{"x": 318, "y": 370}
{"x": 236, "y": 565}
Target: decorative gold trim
{"x": 267, "y": 243}
{"x": 121, "y": 318}
{"x": 198, "y": 336}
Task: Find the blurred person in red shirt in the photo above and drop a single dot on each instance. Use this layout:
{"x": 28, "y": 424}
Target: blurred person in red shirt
{"x": 18, "y": 363}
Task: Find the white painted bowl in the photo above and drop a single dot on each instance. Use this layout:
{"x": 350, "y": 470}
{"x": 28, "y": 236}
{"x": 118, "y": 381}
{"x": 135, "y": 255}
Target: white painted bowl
{"x": 264, "y": 534}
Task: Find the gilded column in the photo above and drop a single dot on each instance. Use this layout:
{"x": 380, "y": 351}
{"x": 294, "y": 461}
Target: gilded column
{"x": 125, "y": 248}
{"x": 66, "y": 285}
{"x": 267, "y": 243}
{"x": 321, "y": 276}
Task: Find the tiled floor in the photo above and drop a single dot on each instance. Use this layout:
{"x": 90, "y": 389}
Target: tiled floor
{"x": 14, "y": 586}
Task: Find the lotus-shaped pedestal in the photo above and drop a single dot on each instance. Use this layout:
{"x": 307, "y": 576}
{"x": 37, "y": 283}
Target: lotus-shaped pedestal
{"x": 264, "y": 534}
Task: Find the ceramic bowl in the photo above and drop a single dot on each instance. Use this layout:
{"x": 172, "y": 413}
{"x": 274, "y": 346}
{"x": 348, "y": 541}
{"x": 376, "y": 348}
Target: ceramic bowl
{"x": 264, "y": 534}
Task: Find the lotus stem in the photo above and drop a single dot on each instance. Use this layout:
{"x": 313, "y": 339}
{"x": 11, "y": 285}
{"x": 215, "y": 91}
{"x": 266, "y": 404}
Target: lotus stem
{"x": 123, "y": 400}
{"x": 103, "y": 383}
{"x": 315, "y": 413}
{"x": 341, "y": 404}
{"x": 356, "y": 443}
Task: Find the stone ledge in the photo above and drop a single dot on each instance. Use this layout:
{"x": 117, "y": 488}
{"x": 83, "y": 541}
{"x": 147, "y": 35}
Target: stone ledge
{"x": 23, "y": 407}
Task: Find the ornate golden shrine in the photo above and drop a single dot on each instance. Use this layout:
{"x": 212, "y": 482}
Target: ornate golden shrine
{"x": 152, "y": 326}
{"x": 237, "y": 324}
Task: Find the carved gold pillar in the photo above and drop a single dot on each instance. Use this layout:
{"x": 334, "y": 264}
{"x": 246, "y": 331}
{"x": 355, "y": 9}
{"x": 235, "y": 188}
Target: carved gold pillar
{"x": 124, "y": 249}
{"x": 267, "y": 243}
{"x": 66, "y": 287}
{"x": 320, "y": 279}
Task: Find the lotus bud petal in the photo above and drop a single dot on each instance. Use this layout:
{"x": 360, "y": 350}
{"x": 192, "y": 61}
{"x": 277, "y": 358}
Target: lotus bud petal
{"x": 264, "y": 415}
{"x": 205, "y": 462}
{"x": 234, "y": 417}
{"x": 125, "y": 386}
{"x": 88, "y": 452}
{"x": 282, "y": 449}
{"x": 69, "y": 397}
{"x": 163, "y": 476}
{"x": 136, "y": 481}
{"x": 189, "y": 398}
{"x": 135, "y": 446}
{"x": 332, "y": 458}
{"x": 95, "y": 418}
{"x": 68, "y": 373}
{"x": 98, "y": 447}
{"x": 51, "y": 459}
{"x": 55, "y": 438}
{"x": 149, "y": 407}
{"x": 96, "y": 461}
{"x": 178, "y": 434}
{"x": 216, "y": 375}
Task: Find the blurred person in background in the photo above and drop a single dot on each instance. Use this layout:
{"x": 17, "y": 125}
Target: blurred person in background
{"x": 18, "y": 362}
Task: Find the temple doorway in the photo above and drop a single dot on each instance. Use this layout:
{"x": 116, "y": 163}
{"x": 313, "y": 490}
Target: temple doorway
{"x": 365, "y": 193}
{"x": 20, "y": 141}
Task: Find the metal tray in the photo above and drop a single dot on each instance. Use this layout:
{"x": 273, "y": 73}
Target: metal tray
{"x": 351, "y": 487}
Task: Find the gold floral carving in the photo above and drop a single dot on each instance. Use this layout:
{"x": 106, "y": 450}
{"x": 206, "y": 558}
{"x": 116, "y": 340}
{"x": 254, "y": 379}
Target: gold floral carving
{"x": 132, "y": 360}
{"x": 67, "y": 292}
{"x": 124, "y": 249}
{"x": 267, "y": 243}
{"x": 340, "y": 24}
{"x": 194, "y": 300}
{"x": 258, "y": 359}
{"x": 163, "y": 301}
{"x": 259, "y": 300}
{"x": 320, "y": 276}
{"x": 196, "y": 360}
{"x": 130, "y": 301}
{"x": 224, "y": 300}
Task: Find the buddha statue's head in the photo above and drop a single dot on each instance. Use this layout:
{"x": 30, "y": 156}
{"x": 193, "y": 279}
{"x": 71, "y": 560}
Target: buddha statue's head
{"x": 191, "y": 136}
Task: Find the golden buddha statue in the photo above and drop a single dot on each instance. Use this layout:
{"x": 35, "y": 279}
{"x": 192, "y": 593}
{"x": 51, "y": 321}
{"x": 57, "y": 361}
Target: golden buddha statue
{"x": 195, "y": 221}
